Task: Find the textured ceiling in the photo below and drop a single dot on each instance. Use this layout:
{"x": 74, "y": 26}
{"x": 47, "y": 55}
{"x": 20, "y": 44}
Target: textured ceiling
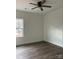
{"x": 22, "y": 4}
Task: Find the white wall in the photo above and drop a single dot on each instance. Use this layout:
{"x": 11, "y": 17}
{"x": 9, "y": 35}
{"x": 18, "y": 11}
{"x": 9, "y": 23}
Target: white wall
{"x": 33, "y": 27}
{"x": 39, "y": 27}
{"x": 53, "y": 27}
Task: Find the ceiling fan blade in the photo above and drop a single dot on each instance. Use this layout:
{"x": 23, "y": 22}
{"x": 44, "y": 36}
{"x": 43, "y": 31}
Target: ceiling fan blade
{"x": 41, "y": 8}
{"x": 33, "y": 3}
{"x": 46, "y": 6}
{"x": 34, "y": 8}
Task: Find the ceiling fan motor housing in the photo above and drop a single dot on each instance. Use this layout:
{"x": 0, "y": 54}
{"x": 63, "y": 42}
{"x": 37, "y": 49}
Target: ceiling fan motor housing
{"x": 39, "y": 4}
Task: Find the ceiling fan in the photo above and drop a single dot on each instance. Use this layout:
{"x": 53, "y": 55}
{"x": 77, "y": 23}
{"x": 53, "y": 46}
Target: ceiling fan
{"x": 40, "y": 4}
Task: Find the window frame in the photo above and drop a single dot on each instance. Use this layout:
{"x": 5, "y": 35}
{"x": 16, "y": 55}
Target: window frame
{"x": 20, "y": 34}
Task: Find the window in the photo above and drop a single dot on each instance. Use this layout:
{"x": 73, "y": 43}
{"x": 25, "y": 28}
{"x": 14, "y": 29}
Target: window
{"x": 19, "y": 27}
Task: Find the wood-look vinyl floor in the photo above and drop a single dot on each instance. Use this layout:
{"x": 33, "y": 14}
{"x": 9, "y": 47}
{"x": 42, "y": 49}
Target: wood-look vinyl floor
{"x": 40, "y": 50}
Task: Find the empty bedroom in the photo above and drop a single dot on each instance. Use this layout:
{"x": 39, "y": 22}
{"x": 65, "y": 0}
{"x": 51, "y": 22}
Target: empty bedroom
{"x": 39, "y": 29}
